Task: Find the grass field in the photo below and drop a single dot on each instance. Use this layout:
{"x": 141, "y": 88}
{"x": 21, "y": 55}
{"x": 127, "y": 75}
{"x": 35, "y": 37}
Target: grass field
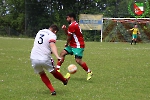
{"x": 121, "y": 72}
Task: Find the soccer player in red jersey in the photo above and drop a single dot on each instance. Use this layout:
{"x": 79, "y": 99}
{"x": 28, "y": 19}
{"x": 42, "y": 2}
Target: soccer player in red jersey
{"x": 74, "y": 45}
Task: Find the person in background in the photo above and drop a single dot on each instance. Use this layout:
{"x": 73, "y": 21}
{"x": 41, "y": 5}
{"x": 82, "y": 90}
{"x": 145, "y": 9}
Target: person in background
{"x": 135, "y": 31}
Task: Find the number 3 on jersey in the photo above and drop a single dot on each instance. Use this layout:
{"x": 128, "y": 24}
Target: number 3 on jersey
{"x": 41, "y": 39}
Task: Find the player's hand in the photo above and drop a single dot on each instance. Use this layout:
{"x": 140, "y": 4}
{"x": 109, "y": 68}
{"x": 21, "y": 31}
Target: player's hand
{"x": 140, "y": 35}
{"x": 66, "y": 45}
{"x": 64, "y": 27}
{"x": 58, "y": 58}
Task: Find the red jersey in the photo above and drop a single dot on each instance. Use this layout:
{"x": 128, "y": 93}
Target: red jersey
{"x": 77, "y": 40}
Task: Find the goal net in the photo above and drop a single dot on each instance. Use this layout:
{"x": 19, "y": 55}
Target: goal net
{"x": 115, "y": 29}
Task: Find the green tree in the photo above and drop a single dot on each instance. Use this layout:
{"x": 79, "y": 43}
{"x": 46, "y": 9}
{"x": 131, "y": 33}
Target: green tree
{"x": 28, "y": 16}
{"x": 12, "y": 14}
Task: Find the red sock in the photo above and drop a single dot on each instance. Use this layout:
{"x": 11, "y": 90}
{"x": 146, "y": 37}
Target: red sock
{"x": 59, "y": 76}
{"x": 47, "y": 82}
{"x": 84, "y": 66}
{"x": 59, "y": 63}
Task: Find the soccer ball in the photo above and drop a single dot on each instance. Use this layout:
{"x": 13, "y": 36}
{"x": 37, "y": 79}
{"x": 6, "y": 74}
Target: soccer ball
{"x": 72, "y": 68}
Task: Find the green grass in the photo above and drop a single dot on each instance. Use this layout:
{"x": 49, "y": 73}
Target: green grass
{"x": 121, "y": 72}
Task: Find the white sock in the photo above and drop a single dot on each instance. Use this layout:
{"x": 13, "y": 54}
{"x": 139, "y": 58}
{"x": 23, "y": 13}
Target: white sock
{"x": 58, "y": 66}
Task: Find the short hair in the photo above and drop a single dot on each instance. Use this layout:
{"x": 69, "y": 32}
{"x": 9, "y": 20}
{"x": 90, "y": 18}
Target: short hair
{"x": 71, "y": 15}
{"x": 54, "y": 27}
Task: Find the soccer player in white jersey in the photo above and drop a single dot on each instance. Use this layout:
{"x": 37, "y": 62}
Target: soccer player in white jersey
{"x": 44, "y": 46}
{"x": 74, "y": 45}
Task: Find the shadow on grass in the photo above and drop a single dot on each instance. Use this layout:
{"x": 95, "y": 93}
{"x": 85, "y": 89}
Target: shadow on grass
{"x": 81, "y": 80}
{"x": 58, "y": 91}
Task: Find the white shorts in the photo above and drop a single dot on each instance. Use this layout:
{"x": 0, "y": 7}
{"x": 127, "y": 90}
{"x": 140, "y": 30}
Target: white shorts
{"x": 40, "y": 65}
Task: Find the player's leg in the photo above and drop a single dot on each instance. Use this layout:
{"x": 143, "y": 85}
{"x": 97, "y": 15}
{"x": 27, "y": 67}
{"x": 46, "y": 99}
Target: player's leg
{"x": 135, "y": 38}
{"x": 67, "y": 50}
{"x": 49, "y": 65}
{"x": 78, "y": 52}
{"x": 132, "y": 39}
{"x": 84, "y": 66}
{"x": 59, "y": 62}
{"x": 47, "y": 82}
{"x": 36, "y": 64}
{"x": 60, "y": 77}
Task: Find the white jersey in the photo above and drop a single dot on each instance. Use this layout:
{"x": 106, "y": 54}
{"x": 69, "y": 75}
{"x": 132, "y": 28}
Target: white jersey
{"x": 41, "y": 49}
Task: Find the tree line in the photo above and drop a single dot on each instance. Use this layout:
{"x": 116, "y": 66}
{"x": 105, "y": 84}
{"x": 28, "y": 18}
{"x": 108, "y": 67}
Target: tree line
{"x": 26, "y": 17}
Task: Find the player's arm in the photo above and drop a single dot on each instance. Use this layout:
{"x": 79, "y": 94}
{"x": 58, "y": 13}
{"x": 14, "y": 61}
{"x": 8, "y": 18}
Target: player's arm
{"x": 139, "y": 32}
{"x": 54, "y": 50}
{"x": 65, "y": 29}
{"x": 131, "y": 29}
{"x": 68, "y": 39}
